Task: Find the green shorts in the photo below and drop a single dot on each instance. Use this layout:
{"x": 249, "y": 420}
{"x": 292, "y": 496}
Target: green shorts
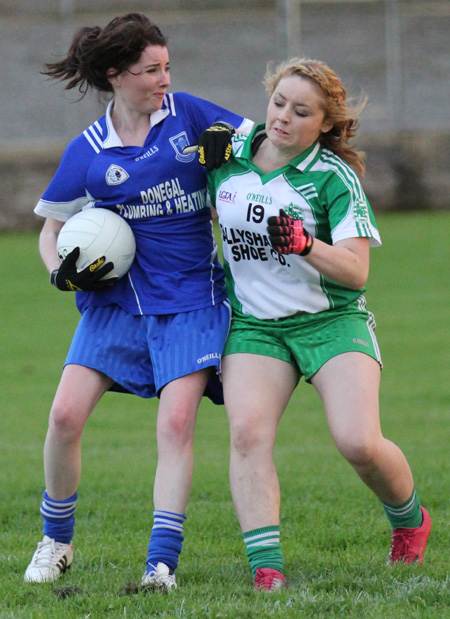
{"x": 304, "y": 340}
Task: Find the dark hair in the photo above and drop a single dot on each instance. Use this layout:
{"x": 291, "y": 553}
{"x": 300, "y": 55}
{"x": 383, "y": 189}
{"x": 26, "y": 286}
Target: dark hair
{"x": 94, "y": 50}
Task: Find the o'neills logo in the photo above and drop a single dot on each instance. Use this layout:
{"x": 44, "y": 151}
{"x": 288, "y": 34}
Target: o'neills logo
{"x": 213, "y": 355}
{"x": 227, "y": 196}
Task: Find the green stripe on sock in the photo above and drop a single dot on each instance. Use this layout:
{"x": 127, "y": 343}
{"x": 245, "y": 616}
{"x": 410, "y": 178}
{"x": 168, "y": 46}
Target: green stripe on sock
{"x": 405, "y": 516}
{"x": 264, "y": 548}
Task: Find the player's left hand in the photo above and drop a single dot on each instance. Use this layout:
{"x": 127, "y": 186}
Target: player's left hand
{"x": 67, "y": 277}
{"x": 214, "y": 145}
{"x": 288, "y": 236}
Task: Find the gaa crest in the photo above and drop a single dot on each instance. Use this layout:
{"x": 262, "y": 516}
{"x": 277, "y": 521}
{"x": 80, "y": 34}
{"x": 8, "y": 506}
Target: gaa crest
{"x": 360, "y": 211}
{"x": 116, "y": 175}
{"x": 179, "y": 142}
{"x": 295, "y": 211}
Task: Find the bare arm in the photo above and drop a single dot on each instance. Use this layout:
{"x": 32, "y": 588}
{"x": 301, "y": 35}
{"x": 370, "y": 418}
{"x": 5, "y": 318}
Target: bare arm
{"x": 47, "y": 243}
{"x": 345, "y": 263}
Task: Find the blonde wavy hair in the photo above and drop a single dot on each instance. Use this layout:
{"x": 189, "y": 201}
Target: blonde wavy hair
{"x": 342, "y": 113}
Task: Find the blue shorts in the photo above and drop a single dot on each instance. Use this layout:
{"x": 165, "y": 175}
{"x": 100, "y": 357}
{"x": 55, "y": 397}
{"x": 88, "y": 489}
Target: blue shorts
{"x": 141, "y": 354}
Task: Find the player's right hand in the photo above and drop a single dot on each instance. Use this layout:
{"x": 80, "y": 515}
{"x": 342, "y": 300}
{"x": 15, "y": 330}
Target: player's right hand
{"x": 214, "y": 145}
{"x": 89, "y": 279}
{"x": 288, "y": 236}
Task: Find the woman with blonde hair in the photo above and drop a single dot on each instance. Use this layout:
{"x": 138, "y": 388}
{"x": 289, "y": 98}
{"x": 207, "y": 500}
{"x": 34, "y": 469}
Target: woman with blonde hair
{"x": 297, "y": 228}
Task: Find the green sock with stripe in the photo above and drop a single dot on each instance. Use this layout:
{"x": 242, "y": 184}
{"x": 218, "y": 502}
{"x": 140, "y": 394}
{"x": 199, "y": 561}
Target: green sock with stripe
{"x": 408, "y": 515}
{"x": 264, "y": 549}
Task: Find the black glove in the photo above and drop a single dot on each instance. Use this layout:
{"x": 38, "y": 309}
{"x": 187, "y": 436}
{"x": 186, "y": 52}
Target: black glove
{"x": 288, "y": 236}
{"x": 214, "y": 145}
{"x": 89, "y": 279}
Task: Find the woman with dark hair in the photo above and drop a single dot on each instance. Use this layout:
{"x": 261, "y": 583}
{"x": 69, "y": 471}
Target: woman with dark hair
{"x": 160, "y": 330}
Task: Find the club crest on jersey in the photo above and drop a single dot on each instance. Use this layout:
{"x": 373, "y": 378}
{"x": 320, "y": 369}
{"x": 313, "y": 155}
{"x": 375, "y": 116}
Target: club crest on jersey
{"x": 360, "y": 211}
{"x": 116, "y": 175}
{"x": 294, "y": 211}
{"x": 179, "y": 142}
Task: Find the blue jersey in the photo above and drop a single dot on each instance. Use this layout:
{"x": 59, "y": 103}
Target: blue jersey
{"x": 161, "y": 193}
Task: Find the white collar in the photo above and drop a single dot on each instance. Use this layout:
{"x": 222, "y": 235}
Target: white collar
{"x": 112, "y": 140}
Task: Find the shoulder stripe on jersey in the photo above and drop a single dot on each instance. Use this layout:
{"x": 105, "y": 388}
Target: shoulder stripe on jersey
{"x": 91, "y": 141}
{"x": 97, "y": 133}
{"x": 171, "y": 103}
{"x": 350, "y": 180}
{"x": 347, "y": 176}
{"x": 94, "y": 140}
{"x": 344, "y": 171}
{"x": 98, "y": 126}
{"x": 93, "y": 135}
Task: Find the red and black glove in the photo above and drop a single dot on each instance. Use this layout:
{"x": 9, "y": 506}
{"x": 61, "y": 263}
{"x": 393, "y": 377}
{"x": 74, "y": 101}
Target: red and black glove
{"x": 89, "y": 279}
{"x": 288, "y": 236}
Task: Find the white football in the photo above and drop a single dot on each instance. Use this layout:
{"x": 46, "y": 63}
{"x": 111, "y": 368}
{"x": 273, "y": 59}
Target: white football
{"x": 98, "y": 232}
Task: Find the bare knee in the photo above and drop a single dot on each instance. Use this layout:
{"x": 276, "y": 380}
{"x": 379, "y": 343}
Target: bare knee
{"x": 248, "y": 435}
{"x": 65, "y": 421}
{"x": 360, "y": 451}
{"x": 177, "y": 426}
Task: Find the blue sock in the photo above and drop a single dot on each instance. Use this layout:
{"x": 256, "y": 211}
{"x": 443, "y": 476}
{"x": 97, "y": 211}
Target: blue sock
{"x": 166, "y": 540}
{"x": 59, "y": 519}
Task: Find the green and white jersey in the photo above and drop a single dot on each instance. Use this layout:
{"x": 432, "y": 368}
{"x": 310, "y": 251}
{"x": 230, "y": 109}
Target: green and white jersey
{"x": 317, "y": 187}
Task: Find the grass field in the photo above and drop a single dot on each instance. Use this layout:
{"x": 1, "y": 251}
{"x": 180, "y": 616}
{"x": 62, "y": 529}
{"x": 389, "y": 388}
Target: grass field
{"x": 334, "y": 532}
